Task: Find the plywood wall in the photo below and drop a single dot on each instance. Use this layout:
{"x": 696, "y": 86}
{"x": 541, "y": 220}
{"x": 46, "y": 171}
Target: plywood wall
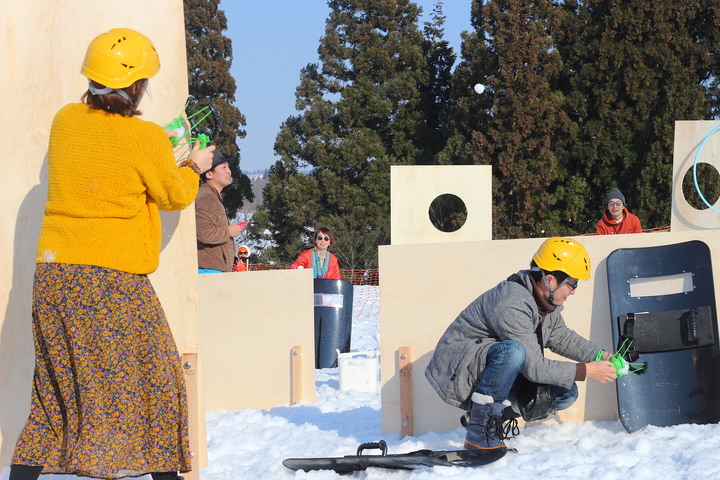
{"x": 42, "y": 45}
{"x": 414, "y": 188}
{"x": 694, "y": 140}
{"x": 249, "y": 323}
{"x": 417, "y": 305}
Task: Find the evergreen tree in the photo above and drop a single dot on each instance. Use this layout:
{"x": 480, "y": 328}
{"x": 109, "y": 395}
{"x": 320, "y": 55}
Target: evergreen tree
{"x": 209, "y": 56}
{"x": 436, "y": 94}
{"x": 582, "y": 96}
{"x": 469, "y": 111}
{"x": 643, "y": 66}
{"x": 359, "y": 114}
{"x": 512, "y": 124}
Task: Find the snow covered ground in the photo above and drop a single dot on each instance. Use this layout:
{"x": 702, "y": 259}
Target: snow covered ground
{"x": 251, "y": 444}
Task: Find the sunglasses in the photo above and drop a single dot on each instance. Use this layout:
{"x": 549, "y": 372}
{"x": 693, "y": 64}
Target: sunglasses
{"x": 572, "y": 286}
{"x": 615, "y": 204}
{"x": 242, "y": 253}
{"x": 326, "y": 238}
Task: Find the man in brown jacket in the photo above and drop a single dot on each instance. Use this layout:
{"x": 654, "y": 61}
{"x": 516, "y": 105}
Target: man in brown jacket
{"x": 216, "y": 249}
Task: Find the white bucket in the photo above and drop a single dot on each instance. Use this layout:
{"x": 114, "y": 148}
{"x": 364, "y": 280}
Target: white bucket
{"x": 359, "y": 371}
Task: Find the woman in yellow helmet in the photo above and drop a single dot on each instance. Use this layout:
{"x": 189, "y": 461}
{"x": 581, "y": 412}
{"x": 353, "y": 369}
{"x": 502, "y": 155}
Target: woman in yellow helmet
{"x": 108, "y": 397}
{"x": 502, "y": 334}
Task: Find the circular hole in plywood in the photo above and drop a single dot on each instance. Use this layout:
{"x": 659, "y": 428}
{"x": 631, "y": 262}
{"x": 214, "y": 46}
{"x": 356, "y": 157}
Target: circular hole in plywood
{"x": 447, "y": 213}
{"x": 708, "y": 179}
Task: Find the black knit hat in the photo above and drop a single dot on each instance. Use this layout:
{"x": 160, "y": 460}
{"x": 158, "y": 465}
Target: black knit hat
{"x": 218, "y": 159}
{"x": 615, "y": 193}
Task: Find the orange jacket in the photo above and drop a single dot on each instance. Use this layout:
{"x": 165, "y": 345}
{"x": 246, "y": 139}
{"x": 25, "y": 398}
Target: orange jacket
{"x": 305, "y": 260}
{"x": 629, "y": 224}
{"x": 241, "y": 266}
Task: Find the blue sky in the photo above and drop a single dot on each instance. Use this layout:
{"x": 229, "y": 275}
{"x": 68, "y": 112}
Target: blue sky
{"x": 272, "y": 40}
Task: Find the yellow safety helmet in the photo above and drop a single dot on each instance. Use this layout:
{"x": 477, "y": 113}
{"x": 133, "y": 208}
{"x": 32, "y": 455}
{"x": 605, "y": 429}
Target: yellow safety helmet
{"x": 565, "y": 255}
{"x": 119, "y": 58}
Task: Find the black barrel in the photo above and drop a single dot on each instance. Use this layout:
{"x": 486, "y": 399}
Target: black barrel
{"x": 333, "y": 320}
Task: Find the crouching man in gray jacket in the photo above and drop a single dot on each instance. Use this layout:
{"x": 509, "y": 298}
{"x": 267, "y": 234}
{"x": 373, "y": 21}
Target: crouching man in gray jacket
{"x": 478, "y": 358}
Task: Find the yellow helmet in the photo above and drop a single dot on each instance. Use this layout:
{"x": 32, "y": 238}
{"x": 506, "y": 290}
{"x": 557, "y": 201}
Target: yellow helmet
{"x": 119, "y": 58}
{"x": 565, "y": 255}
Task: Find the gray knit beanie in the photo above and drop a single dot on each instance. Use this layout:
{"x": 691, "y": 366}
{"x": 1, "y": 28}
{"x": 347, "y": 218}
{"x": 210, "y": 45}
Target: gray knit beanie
{"x": 615, "y": 193}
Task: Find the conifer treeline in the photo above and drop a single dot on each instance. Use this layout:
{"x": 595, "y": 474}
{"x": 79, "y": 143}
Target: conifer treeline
{"x": 209, "y": 56}
{"x": 580, "y": 96}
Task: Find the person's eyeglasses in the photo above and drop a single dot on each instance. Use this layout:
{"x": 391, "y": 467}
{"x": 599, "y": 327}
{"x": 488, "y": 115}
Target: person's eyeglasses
{"x": 326, "y": 238}
{"x": 243, "y": 253}
{"x": 615, "y": 204}
{"x": 572, "y": 286}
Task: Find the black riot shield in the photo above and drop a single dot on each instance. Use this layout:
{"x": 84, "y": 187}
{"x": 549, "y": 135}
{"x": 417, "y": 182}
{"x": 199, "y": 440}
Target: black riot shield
{"x": 333, "y": 320}
{"x": 663, "y": 300}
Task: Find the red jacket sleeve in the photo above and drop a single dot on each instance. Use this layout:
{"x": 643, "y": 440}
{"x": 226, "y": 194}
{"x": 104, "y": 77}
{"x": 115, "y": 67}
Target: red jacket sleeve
{"x": 304, "y": 260}
{"x": 632, "y": 224}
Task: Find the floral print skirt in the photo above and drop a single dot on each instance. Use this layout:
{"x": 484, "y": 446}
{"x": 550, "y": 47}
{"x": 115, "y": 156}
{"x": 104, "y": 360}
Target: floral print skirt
{"x": 108, "y": 397}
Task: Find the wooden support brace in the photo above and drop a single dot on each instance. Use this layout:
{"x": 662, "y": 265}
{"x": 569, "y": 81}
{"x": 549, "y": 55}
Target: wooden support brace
{"x": 190, "y": 365}
{"x": 296, "y": 380}
{"x": 406, "y": 401}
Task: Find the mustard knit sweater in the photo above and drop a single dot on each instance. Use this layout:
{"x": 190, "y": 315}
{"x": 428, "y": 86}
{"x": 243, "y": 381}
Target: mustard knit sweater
{"x": 108, "y": 177}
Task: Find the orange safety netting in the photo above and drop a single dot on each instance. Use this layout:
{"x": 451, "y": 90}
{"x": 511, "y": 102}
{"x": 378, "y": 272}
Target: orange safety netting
{"x": 645, "y": 230}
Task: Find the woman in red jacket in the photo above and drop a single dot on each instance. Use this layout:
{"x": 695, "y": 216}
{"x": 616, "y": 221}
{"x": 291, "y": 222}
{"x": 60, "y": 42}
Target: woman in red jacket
{"x": 323, "y": 263}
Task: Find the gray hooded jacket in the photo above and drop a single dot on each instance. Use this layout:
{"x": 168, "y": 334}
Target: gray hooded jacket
{"x": 505, "y": 312}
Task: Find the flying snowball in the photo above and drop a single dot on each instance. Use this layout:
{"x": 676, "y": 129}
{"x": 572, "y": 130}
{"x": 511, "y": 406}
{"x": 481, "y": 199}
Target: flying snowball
{"x": 479, "y": 88}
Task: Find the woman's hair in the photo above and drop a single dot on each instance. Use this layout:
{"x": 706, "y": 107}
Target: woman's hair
{"x": 324, "y": 231}
{"x": 536, "y": 273}
{"x": 114, "y": 103}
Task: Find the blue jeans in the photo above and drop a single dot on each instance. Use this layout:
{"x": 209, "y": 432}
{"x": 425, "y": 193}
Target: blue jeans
{"x": 503, "y": 364}
{"x": 208, "y": 270}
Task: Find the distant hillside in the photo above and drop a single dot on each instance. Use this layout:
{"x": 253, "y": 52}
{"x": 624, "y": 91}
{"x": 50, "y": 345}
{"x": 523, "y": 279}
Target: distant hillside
{"x": 259, "y": 180}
